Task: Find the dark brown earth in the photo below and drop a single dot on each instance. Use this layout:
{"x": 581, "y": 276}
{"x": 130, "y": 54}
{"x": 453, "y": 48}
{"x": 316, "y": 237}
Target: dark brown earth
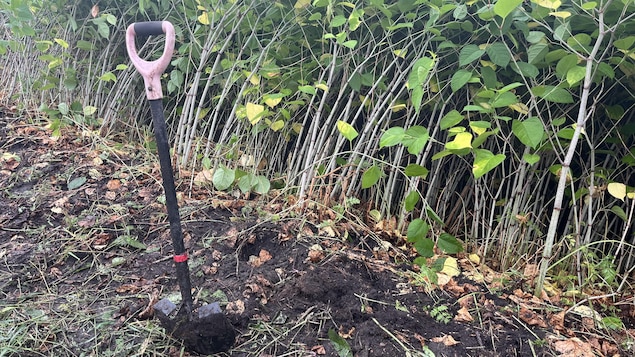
{"x": 285, "y": 282}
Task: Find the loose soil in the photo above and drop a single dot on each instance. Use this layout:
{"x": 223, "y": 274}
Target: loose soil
{"x": 83, "y": 232}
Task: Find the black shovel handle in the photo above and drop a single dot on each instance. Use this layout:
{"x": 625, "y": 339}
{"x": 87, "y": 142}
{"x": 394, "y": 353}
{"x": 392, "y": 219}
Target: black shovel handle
{"x": 180, "y": 255}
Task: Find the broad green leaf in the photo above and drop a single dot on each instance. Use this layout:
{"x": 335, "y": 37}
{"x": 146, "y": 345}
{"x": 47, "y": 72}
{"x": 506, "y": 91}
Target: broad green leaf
{"x": 469, "y": 53}
{"x": 531, "y": 158}
{"x": 307, "y": 89}
{"x": 392, "y": 136}
{"x": 479, "y": 140}
{"x": 504, "y": 99}
{"x": 620, "y": 213}
{"x": 489, "y": 77}
{"x": 498, "y": 54}
{"x": 575, "y": 75}
{"x": 535, "y": 36}
{"x": 63, "y": 108}
{"x": 503, "y": 8}
{"x": 339, "y": 344}
{"x": 485, "y": 161}
{"x": 417, "y": 97}
{"x": 262, "y": 185}
{"x": 338, "y": 21}
{"x": 76, "y": 183}
{"x": 565, "y": 64}
{"x": 509, "y": 87}
{"x": 553, "y": 94}
{"x": 617, "y": 190}
{"x": 459, "y": 79}
{"x": 371, "y": 176}
{"x": 415, "y": 139}
{"x": 416, "y": 170}
{"x": 89, "y": 110}
{"x": 223, "y": 178}
{"x": 590, "y": 5}
{"x": 526, "y": 69}
{"x": 451, "y": 119}
{"x": 350, "y": 44}
{"x": 449, "y": 244}
{"x": 460, "y": 12}
{"x": 615, "y": 112}
{"x": 347, "y": 130}
{"x": 85, "y": 45}
{"x": 411, "y": 200}
{"x": 625, "y": 43}
{"x": 254, "y": 112}
{"x": 560, "y": 14}
{"x": 420, "y": 71}
{"x": 247, "y": 182}
{"x": 425, "y": 247}
{"x": 417, "y": 230}
{"x": 461, "y": 141}
{"x": 536, "y": 52}
{"x": 103, "y": 29}
{"x": 529, "y": 131}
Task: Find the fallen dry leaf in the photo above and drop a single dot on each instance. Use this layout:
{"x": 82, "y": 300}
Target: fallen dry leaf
{"x": 446, "y": 340}
{"x": 463, "y": 315}
{"x": 113, "y": 185}
{"x": 531, "y": 318}
{"x": 318, "y": 350}
{"x": 573, "y": 347}
{"x": 235, "y": 307}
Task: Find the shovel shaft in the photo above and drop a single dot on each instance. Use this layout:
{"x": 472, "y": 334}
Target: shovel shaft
{"x": 163, "y": 148}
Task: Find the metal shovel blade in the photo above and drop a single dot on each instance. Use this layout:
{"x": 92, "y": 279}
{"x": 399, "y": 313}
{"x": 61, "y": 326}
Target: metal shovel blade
{"x": 206, "y": 330}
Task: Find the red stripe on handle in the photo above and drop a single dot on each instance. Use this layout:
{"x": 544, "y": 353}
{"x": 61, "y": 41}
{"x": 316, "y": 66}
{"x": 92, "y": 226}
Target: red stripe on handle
{"x": 180, "y": 258}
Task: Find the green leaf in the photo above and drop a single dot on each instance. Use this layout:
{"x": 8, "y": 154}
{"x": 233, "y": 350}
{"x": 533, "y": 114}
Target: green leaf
{"x": 338, "y": 21}
{"x": 449, "y": 244}
{"x": 339, "y": 344}
{"x": 76, "y": 183}
{"x": 553, "y": 94}
{"x": 451, "y": 119}
{"x": 526, "y": 69}
{"x": 307, "y": 89}
{"x": 529, "y": 131}
{"x": 392, "y": 136}
{"x": 575, "y": 74}
{"x": 371, "y": 176}
{"x": 417, "y": 230}
{"x": 504, "y": 99}
{"x": 129, "y": 241}
{"x": 350, "y": 44}
{"x": 625, "y": 43}
{"x": 425, "y": 247}
{"x": 565, "y": 63}
{"x": 411, "y": 200}
{"x": 415, "y": 139}
{"x": 469, "y": 54}
{"x": 262, "y": 185}
{"x": 413, "y": 170}
{"x": 620, "y": 213}
{"x": 459, "y": 79}
{"x": 63, "y": 108}
{"x": 347, "y": 130}
{"x": 485, "y": 161}
{"x": 537, "y": 52}
{"x": 498, "y": 54}
{"x": 503, "y": 8}
{"x": 417, "y": 78}
{"x": 223, "y": 178}
{"x": 531, "y": 158}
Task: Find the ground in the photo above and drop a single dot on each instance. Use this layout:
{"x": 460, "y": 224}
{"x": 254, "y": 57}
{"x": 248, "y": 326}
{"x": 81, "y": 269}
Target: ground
{"x": 85, "y": 252}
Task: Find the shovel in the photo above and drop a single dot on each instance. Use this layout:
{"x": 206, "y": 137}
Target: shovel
{"x": 205, "y": 329}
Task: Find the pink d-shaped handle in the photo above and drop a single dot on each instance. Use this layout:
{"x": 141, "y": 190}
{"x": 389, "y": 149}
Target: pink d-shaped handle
{"x": 151, "y": 71}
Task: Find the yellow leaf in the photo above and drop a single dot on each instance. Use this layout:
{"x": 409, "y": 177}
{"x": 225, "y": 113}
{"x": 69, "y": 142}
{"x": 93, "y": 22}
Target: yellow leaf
{"x": 474, "y": 258}
{"x": 549, "y": 4}
{"x": 450, "y": 267}
{"x": 400, "y": 53}
{"x": 296, "y": 127}
{"x": 520, "y": 107}
{"x": 277, "y": 125}
{"x": 398, "y": 107}
{"x": 203, "y": 18}
{"x": 560, "y": 14}
{"x": 301, "y": 4}
{"x": 322, "y": 86}
{"x": 617, "y": 190}
{"x": 461, "y": 141}
{"x": 254, "y": 112}
{"x": 272, "y": 102}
